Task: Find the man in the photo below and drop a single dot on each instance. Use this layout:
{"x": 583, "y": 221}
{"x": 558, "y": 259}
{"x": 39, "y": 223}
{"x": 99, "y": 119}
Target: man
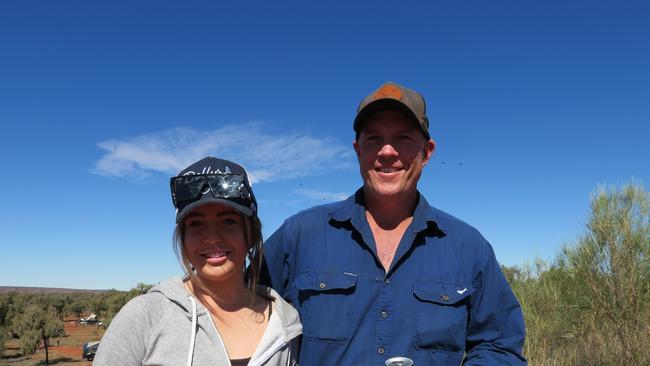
{"x": 383, "y": 274}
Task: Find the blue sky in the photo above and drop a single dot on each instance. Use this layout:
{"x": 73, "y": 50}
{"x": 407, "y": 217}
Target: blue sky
{"x": 532, "y": 106}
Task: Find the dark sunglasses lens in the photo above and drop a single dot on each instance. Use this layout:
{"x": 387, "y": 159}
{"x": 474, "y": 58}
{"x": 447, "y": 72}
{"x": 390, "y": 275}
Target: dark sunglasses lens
{"x": 188, "y": 187}
{"x": 225, "y": 186}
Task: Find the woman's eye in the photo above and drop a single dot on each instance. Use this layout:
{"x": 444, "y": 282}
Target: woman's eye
{"x": 230, "y": 221}
{"x": 194, "y": 223}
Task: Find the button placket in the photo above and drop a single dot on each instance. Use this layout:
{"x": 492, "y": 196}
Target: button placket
{"x": 384, "y": 324}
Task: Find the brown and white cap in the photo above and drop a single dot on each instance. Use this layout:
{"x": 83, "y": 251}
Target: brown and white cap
{"x": 396, "y": 97}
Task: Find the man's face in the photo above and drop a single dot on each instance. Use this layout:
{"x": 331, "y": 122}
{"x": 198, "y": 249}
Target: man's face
{"x": 391, "y": 152}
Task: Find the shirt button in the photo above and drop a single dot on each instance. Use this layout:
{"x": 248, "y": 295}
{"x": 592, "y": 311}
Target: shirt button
{"x": 384, "y": 314}
{"x": 322, "y": 285}
{"x": 445, "y": 297}
{"x": 387, "y": 281}
{"x": 380, "y": 350}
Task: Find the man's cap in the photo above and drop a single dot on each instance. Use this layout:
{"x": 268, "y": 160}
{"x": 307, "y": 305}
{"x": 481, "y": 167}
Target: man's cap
{"x": 396, "y": 97}
{"x": 245, "y": 204}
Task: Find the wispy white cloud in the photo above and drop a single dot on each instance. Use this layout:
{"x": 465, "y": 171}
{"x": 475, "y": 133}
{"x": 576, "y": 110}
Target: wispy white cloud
{"x": 267, "y": 156}
{"x": 321, "y": 195}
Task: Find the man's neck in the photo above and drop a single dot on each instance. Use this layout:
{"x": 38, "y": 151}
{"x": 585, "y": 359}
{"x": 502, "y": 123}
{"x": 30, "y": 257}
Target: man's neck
{"x": 388, "y": 218}
{"x": 390, "y": 212}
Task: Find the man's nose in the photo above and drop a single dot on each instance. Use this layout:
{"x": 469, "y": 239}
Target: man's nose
{"x": 388, "y": 150}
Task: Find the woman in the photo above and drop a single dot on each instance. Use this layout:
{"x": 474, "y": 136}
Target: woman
{"x": 217, "y": 314}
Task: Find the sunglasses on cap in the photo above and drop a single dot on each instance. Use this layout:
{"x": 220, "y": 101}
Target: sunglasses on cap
{"x": 189, "y": 188}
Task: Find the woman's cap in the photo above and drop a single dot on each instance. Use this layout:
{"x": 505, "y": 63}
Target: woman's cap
{"x": 212, "y": 180}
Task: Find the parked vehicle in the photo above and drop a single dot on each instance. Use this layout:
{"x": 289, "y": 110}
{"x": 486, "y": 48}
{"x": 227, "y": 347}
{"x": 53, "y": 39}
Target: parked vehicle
{"x": 91, "y": 319}
{"x": 89, "y": 350}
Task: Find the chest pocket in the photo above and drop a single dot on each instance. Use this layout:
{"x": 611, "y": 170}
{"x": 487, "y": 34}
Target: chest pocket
{"x": 440, "y": 318}
{"x": 325, "y": 305}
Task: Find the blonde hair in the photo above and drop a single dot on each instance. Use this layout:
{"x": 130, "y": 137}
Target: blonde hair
{"x": 255, "y": 254}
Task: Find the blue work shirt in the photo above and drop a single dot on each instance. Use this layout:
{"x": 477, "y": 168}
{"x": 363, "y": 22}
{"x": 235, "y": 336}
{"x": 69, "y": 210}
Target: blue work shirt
{"x": 444, "y": 294}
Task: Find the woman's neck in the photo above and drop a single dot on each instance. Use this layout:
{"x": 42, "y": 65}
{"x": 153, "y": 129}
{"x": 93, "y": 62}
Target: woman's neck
{"x": 226, "y": 296}
{"x": 239, "y": 315}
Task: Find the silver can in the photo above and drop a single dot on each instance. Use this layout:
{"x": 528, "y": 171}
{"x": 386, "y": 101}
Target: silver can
{"x": 399, "y": 361}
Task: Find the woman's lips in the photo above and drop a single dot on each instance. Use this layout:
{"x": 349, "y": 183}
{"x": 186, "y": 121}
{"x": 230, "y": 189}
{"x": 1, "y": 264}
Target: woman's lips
{"x": 216, "y": 256}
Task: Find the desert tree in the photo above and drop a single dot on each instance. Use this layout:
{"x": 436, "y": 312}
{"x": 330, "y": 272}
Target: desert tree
{"x": 4, "y": 309}
{"x": 97, "y": 305}
{"x": 139, "y": 289}
{"x": 37, "y": 325}
{"x": 3, "y": 332}
{"x": 114, "y": 300}
{"x": 544, "y": 291}
{"x": 610, "y": 264}
{"x": 16, "y": 303}
{"x": 57, "y": 302}
{"x": 75, "y": 306}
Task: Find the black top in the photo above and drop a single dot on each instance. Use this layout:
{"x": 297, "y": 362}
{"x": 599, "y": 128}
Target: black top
{"x": 240, "y": 362}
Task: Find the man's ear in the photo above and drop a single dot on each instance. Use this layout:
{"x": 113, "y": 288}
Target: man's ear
{"x": 355, "y": 145}
{"x": 428, "y": 149}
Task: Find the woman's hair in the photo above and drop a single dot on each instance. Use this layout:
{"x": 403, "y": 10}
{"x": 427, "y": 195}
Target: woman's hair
{"x": 254, "y": 241}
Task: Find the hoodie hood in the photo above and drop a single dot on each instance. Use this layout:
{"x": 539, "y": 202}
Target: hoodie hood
{"x": 283, "y": 327}
{"x": 174, "y": 290}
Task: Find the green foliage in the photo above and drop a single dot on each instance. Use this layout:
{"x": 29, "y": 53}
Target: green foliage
{"x": 39, "y": 317}
{"x": 611, "y": 261}
{"x": 3, "y": 333}
{"x": 75, "y": 305}
{"x": 4, "y": 309}
{"x": 140, "y": 288}
{"x": 13, "y": 305}
{"x": 591, "y": 306}
{"x": 114, "y": 302}
{"x": 544, "y": 292}
{"x": 37, "y": 324}
{"x": 57, "y": 302}
{"x": 29, "y": 341}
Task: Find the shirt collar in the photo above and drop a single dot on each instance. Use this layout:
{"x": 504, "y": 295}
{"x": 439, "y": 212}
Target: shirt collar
{"x": 354, "y": 209}
{"x": 350, "y": 209}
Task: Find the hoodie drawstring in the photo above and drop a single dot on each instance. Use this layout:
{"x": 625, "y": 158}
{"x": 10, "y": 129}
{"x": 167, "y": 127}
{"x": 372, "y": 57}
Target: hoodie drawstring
{"x": 289, "y": 359}
{"x": 190, "y": 353}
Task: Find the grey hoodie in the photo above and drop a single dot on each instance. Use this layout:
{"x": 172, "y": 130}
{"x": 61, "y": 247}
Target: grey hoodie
{"x": 168, "y": 326}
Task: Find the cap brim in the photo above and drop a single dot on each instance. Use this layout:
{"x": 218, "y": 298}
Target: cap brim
{"x": 383, "y": 104}
{"x": 247, "y": 211}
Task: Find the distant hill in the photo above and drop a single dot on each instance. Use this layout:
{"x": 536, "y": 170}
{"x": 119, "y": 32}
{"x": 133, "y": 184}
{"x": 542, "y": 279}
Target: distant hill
{"x": 44, "y": 290}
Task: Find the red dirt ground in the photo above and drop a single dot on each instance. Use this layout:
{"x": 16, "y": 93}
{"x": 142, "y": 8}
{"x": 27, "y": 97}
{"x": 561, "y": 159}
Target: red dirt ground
{"x": 68, "y": 351}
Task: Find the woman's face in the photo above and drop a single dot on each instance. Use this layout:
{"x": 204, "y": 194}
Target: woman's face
{"x": 215, "y": 243}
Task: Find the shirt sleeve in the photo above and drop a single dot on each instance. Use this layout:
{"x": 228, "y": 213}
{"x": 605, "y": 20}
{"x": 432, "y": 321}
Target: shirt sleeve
{"x": 496, "y": 330}
{"x": 124, "y": 342}
{"x": 277, "y": 254}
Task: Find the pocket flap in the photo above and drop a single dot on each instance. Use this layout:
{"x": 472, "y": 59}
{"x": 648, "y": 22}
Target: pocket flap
{"x": 323, "y": 281}
{"x": 445, "y": 293}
